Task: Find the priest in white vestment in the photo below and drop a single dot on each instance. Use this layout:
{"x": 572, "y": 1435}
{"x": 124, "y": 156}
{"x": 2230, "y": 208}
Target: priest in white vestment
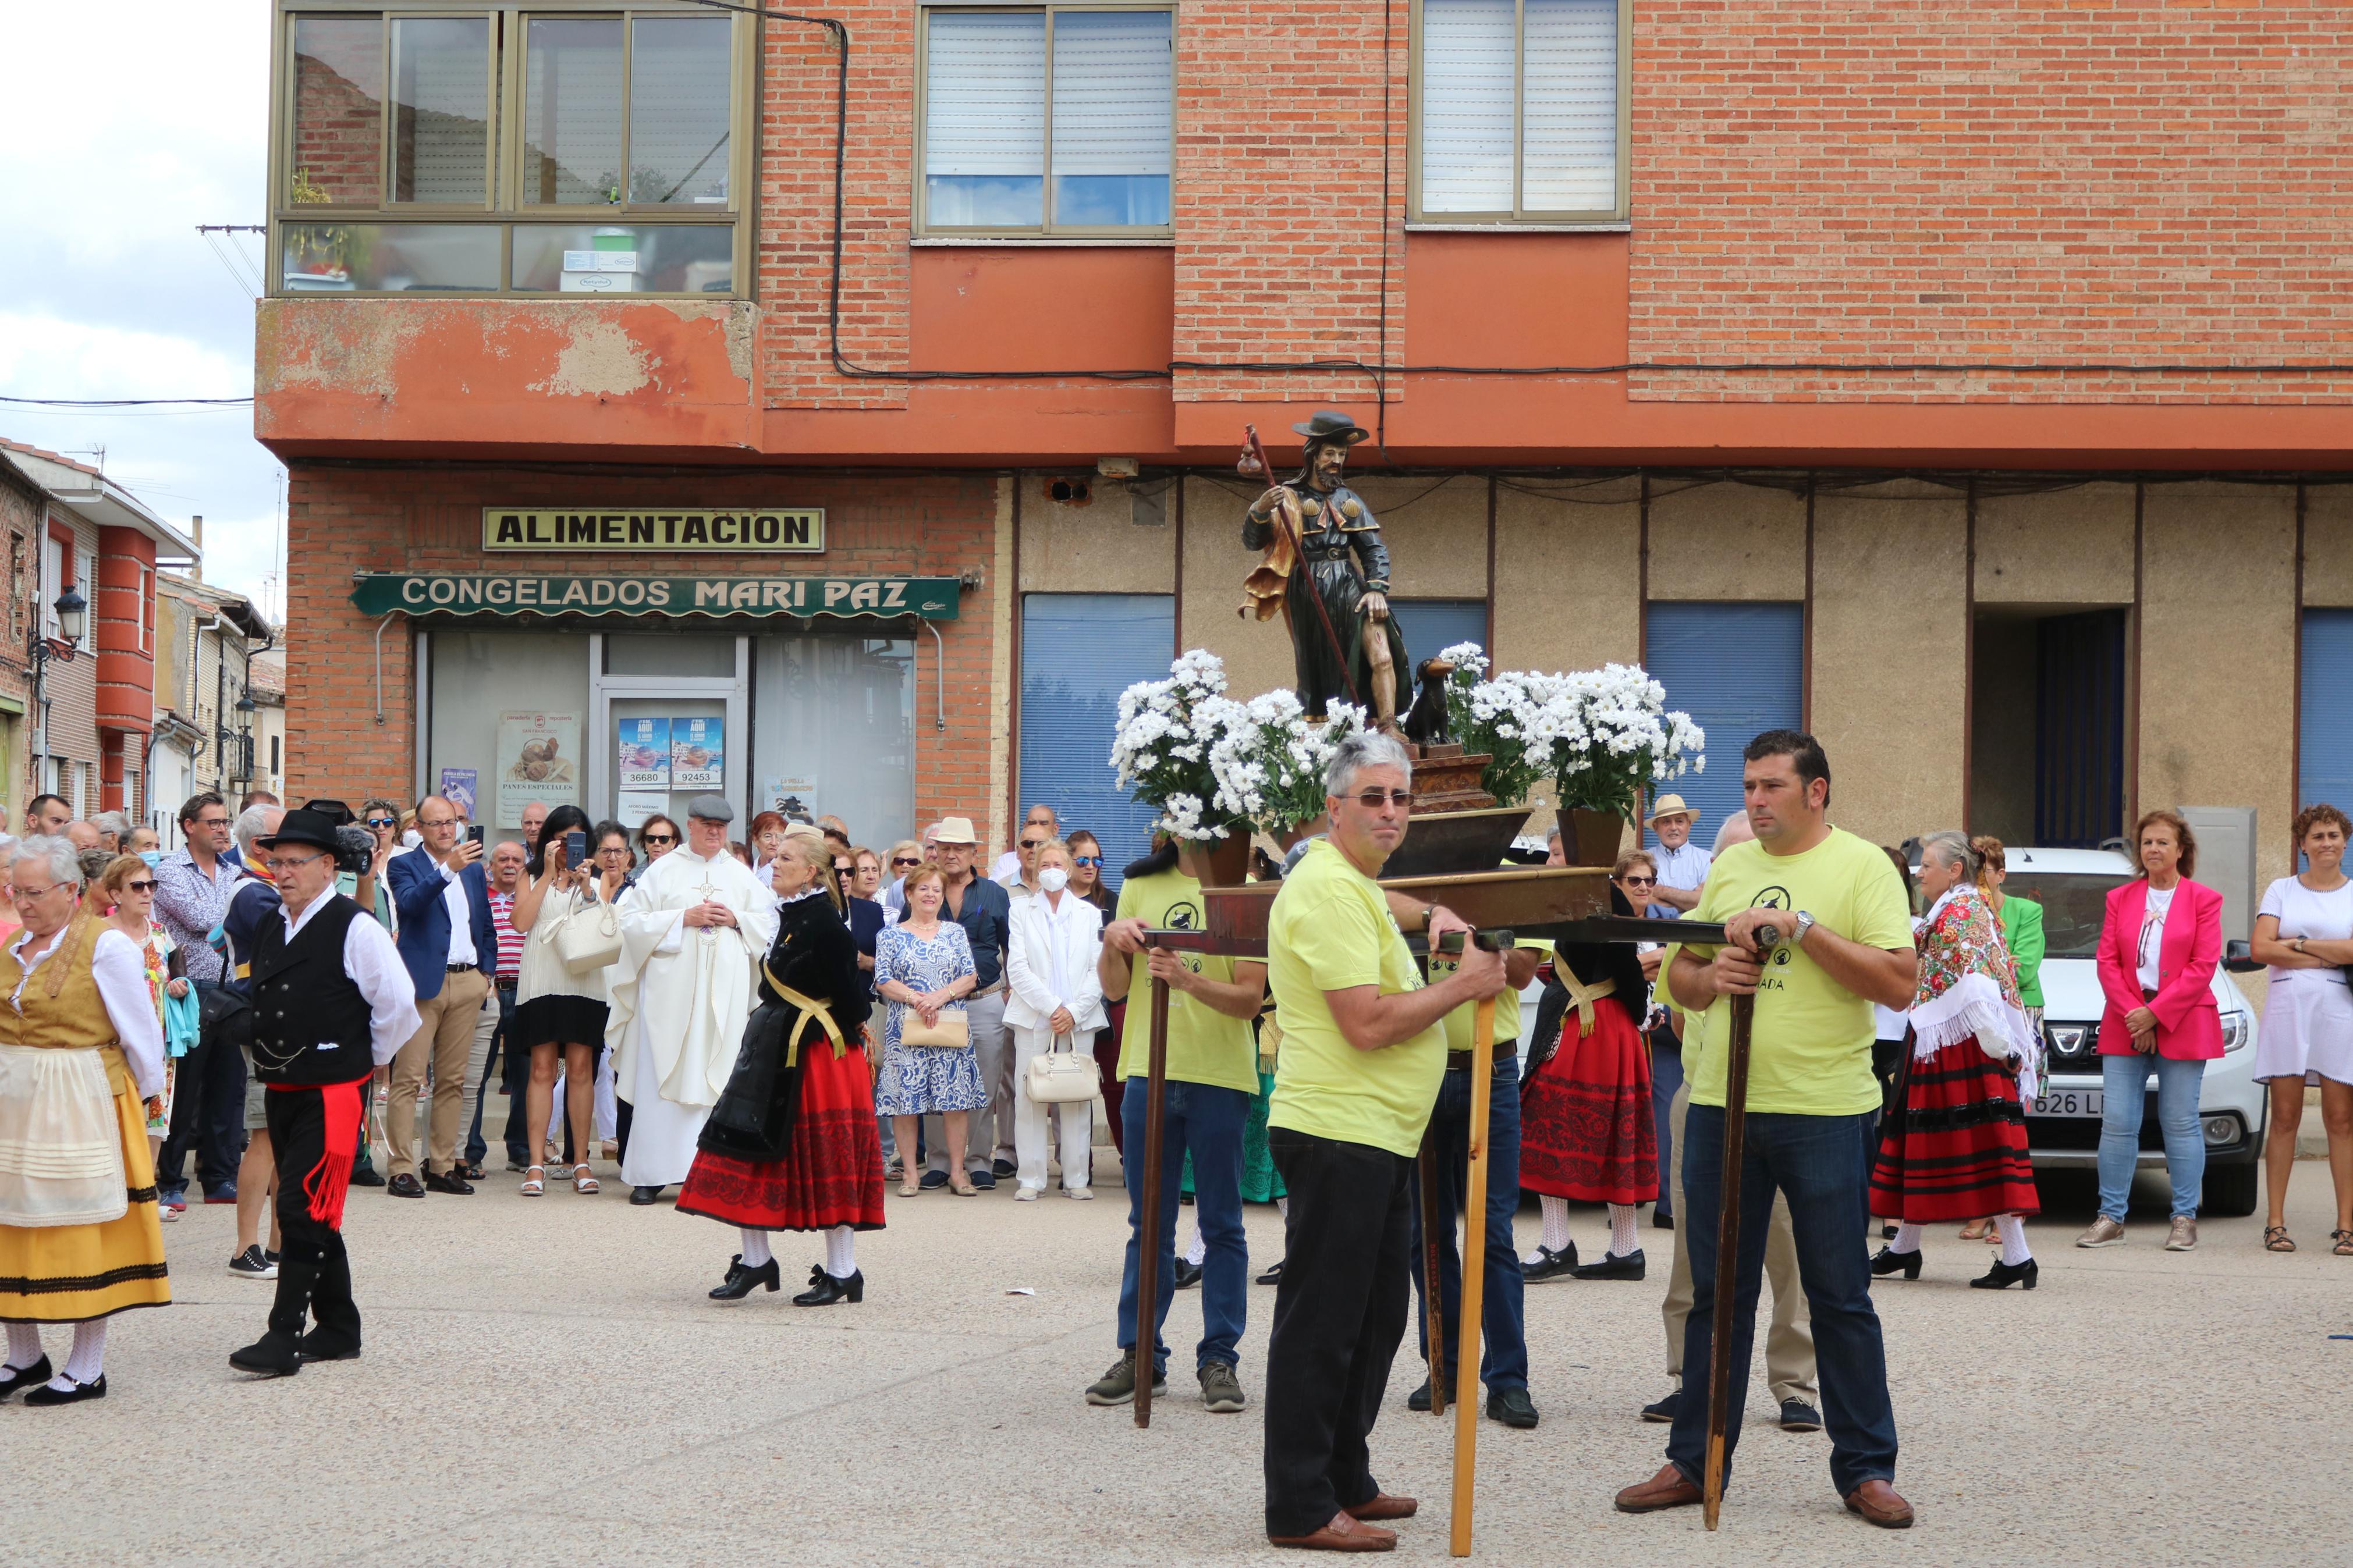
{"x": 693, "y": 927}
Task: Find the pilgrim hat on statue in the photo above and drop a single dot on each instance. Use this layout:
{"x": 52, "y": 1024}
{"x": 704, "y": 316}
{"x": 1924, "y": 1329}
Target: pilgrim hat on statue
{"x": 1331, "y": 425}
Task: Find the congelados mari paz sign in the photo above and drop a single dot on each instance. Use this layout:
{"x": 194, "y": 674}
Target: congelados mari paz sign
{"x": 532, "y": 593}
{"x": 755, "y": 530}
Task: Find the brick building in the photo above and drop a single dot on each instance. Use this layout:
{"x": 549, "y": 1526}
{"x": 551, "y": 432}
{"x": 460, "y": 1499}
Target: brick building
{"x": 1969, "y": 387}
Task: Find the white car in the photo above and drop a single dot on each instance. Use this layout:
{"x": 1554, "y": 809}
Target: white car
{"x": 2062, "y": 1125}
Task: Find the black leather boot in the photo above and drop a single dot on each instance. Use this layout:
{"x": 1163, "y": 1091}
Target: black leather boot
{"x": 279, "y": 1352}
{"x": 825, "y": 1290}
{"x": 337, "y": 1337}
{"x": 742, "y": 1280}
{"x": 1887, "y": 1260}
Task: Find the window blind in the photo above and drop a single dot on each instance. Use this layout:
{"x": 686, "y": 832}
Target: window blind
{"x": 572, "y": 110}
{"x": 2325, "y": 738}
{"x": 1078, "y": 652}
{"x": 985, "y": 94}
{"x": 1112, "y": 82}
{"x": 440, "y": 90}
{"x": 1466, "y": 106}
{"x": 1569, "y": 112}
{"x": 1738, "y": 669}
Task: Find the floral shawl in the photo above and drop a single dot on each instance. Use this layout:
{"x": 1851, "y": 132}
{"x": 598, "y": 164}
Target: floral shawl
{"x": 1969, "y": 987}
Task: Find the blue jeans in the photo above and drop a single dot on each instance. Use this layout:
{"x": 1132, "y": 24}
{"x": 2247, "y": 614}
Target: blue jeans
{"x": 1207, "y": 1121}
{"x": 1666, "y": 1077}
{"x": 1816, "y": 1161}
{"x": 2123, "y": 1082}
{"x": 1504, "y": 1363}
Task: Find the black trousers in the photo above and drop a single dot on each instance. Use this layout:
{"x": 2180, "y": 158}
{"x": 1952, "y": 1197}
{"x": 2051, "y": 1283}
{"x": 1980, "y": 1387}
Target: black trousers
{"x": 314, "y": 1134}
{"x": 1339, "y": 1315}
{"x": 207, "y": 1113}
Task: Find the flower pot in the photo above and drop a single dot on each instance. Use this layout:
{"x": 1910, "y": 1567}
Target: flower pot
{"x": 1319, "y": 823}
{"x": 1591, "y": 838}
{"x": 1218, "y": 862}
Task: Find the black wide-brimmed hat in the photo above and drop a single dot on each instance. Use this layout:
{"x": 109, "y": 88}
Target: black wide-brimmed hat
{"x": 315, "y": 828}
{"x": 1331, "y": 425}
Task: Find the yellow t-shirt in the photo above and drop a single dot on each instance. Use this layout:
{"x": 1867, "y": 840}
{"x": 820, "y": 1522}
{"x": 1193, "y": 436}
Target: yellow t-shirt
{"x": 1204, "y": 1045}
{"x": 1464, "y": 1022}
{"x": 1331, "y": 930}
{"x": 1810, "y": 1050}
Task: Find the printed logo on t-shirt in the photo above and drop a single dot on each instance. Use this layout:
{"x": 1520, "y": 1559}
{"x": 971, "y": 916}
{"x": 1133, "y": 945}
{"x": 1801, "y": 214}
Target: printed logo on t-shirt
{"x": 1184, "y": 915}
{"x": 1775, "y": 898}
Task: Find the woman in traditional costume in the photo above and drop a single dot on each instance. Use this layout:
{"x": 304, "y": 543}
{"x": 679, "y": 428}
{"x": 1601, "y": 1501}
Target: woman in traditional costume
{"x": 80, "y": 1050}
{"x": 793, "y": 1144}
{"x": 1953, "y": 1145}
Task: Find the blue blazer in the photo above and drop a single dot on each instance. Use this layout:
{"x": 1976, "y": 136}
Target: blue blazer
{"x": 423, "y": 943}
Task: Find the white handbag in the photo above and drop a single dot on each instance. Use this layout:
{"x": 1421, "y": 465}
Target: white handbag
{"x": 589, "y": 938}
{"x": 1061, "y": 1076}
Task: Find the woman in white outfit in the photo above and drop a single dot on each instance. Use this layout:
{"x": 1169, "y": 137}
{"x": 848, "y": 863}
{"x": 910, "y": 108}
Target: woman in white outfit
{"x": 1054, "y": 1001}
{"x": 559, "y": 1017}
{"x": 2303, "y": 930}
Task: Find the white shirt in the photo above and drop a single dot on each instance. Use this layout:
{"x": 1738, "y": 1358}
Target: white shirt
{"x": 2323, "y": 917}
{"x": 461, "y": 918}
{"x": 1007, "y": 867}
{"x": 116, "y": 964}
{"x": 373, "y": 963}
{"x": 1685, "y": 867}
{"x": 2152, "y": 932}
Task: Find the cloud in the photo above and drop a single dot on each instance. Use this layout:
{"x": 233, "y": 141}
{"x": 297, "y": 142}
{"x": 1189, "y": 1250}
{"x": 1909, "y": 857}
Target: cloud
{"x": 45, "y": 356}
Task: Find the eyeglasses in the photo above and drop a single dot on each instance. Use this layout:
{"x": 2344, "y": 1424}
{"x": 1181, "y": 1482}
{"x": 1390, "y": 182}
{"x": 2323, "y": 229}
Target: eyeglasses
{"x": 436, "y": 821}
{"x": 279, "y": 867}
{"x": 614, "y": 850}
{"x": 898, "y": 860}
{"x": 1086, "y": 859}
{"x": 1374, "y": 799}
{"x": 212, "y": 822}
{"x": 26, "y": 895}
{"x": 1640, "y": 881}
{"x": 659, "y": 838}
{"x": 383, "y": 822}
{"x": 146, "y": 885}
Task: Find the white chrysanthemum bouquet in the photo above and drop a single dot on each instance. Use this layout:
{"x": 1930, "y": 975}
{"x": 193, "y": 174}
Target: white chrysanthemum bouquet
{"x": 1215, "y": 766}
{"x": 1603, "y": 736}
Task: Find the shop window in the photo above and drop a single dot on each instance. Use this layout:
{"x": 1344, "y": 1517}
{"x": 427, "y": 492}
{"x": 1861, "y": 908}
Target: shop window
{"x": 1078, "y": 652}
{"x": 480, "y": 678}
{"x": 1520, "y": 111}
{"x": 1048, "y": 120}
{"x": 833, "y": 724}
{"x": 469, "y": 130}
{"x": 1738, "y": 669}
{"x": 654, "y": 654}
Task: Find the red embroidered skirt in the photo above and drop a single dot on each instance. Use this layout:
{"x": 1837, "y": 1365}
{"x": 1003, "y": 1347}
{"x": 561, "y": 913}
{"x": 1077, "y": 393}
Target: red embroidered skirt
{"x": 1585, "y": 1125}
{"x": 834, "y": 1173}
{"x": 1954, "y": 1145}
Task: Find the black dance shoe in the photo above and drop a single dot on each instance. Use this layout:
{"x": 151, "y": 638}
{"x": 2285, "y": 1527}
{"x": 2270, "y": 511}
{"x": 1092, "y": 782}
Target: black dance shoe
{"x": 1612, "y": 1267}
{"x": 1272, "y": 1276}
{"x": 44, "y": 1395}
{"x": 825, "y": 1290}
{"x": 2003, "y": 1275}
{"x": 1550, "y": 1265}
{"x": 11, "y": 1380}
{"x": 645, "y": 1197}
{"x": 1887, "y": 1260}
{"x": 1187, "y": 1275}
{"x": 274, "y": 1355}
{"x": 742, "y": 1278}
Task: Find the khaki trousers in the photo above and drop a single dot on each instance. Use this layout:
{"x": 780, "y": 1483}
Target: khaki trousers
{"x": 444, "y": 1041}
{"x": 1789, "y": 1343}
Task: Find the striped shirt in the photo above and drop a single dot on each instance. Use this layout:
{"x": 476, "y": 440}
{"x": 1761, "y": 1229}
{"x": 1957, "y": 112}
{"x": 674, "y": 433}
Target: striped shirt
{"x": 510, "y": 939}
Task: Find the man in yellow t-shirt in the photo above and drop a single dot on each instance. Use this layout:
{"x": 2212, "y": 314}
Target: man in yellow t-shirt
{"x": 1843, "y": 942}
{"x": 1212, "y": 1074}
{"x": 1364, "y": 1050}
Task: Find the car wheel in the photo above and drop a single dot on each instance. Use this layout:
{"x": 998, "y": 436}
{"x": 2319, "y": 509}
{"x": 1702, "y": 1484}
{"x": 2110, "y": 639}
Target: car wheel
{"x": 2230, "y": 1191}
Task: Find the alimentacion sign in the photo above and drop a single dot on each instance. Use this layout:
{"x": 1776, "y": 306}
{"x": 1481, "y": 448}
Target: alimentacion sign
{"x": 570, "y": 530}
{"x": 533, "y": 593}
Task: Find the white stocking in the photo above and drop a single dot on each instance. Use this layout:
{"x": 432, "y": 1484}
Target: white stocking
{"x": 841, "y": 1252}
{"x": 2012, "y": 1231}
{"x": 756, "y": 1249}
{"x": 1623, "y": 1241}
{"x": 1555, "y": 1236}
{"x": 24, "y": 1345}
{"x": 88, "y": 1360}
{"x": 1199, "y": 1248}
{"x": 1907, "y": 1237}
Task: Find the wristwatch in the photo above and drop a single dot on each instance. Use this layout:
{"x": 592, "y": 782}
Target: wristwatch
{"x": 1805, "y": 924}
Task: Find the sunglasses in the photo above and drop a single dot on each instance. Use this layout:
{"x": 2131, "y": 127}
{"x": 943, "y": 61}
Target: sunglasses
{"x": 383, "y": 822}
{"x": 661, "y": 838}
{"x": 897, "y": 860}
{"x": 1374, "y": 799}
{"x": 1086, "y": 860}
{"x": 1031, "y": 843}
{"x": 1640, "y": 881}
{"x": 146, "y": 885}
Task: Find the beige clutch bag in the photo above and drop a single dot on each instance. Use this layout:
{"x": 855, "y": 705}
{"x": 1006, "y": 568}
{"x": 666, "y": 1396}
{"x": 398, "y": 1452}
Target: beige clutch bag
{"x": 953, "y": 1030}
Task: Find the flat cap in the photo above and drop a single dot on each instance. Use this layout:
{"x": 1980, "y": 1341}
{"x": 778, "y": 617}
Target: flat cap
{"x": 711, "y": 808}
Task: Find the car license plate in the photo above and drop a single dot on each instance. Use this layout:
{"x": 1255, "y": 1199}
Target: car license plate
{"x": 2068, "y": 1102}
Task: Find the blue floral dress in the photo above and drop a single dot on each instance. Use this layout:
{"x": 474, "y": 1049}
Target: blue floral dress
{"x": 917, "y": 1080}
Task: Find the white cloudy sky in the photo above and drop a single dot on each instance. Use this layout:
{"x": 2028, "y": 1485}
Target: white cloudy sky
{"x": 125, "y": 123}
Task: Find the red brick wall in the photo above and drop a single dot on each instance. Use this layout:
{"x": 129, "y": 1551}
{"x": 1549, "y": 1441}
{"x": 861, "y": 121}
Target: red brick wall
{"x": 338, "y": 128}
{"x": 2144, "y": 181}
{"x": 345, "y": 521}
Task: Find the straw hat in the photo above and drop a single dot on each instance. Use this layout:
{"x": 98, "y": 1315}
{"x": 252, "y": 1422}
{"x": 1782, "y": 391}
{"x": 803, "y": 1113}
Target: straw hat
{"x": 1669, "y": 806}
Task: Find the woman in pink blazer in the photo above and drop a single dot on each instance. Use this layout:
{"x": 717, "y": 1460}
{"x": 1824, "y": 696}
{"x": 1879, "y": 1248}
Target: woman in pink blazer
{"x": 2158, "y": 951}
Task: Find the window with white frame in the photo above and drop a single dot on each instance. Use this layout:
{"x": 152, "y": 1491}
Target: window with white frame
{"x": 1058, "y": 119}
{"x": 53, "y": 582}
{"x": 1520, "y": 111}
{"x": 86, "y": 583}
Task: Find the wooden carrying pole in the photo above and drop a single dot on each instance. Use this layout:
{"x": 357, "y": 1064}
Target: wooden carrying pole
{"x": 1474, "y": 1265}
{"x": 1727, "y": 1239}
{"x": 1432, "y": 1315}
{"x": 1147, "y": 1238}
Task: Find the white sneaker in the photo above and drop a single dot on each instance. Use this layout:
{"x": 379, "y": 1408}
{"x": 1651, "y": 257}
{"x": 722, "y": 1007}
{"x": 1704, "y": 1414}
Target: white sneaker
{"x": 1026, "y": 1195}
{"x": 1079, "y": 1195}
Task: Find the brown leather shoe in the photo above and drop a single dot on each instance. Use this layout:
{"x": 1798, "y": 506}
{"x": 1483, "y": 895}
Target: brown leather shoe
{"x": 1380, "y": 1505}
{"x": 1666, "y": 1489}
{"x": 1877, "y": 1502}
{"x": 1340, "y": 1533}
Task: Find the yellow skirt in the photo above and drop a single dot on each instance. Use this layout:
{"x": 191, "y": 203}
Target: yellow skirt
{"x": 66, "y": 1274}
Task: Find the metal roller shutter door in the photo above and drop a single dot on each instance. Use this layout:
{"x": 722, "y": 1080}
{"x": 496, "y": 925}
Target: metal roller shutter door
{"x": 1078, "y": 652}
{"x": 1738, "y": 669}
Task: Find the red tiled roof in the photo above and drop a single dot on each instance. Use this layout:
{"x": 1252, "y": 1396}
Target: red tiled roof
{"x": 47, "y": 457}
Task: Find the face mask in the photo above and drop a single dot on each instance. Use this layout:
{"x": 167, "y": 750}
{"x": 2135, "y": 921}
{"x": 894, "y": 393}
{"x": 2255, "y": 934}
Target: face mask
{"x": 153, "y": 858}
{"x": 1053, "y": 878}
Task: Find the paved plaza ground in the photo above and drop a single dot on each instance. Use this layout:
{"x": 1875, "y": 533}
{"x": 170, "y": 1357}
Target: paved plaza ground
{"x": 544, "y": 1383}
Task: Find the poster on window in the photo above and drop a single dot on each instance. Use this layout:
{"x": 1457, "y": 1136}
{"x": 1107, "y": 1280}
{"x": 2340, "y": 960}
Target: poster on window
{"x": 643, "y": 754}
{"x": 698, "y": 753}
{"x": 637, "y": 804}
{"x": 793, "y": 798}
{"x": 539, "y": 759}
{"x": 459, "y": 788}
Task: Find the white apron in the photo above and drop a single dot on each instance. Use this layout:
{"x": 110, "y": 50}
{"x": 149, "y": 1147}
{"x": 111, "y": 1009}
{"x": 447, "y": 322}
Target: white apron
{"x": 60, "y": 1149}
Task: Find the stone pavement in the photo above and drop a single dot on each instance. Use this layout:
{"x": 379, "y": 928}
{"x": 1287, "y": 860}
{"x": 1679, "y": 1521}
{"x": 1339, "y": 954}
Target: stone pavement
{"x": 544, "y": 1383}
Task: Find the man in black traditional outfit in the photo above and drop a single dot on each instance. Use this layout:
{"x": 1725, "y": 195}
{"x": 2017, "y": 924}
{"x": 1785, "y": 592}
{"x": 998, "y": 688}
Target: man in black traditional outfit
{"x": 1348, "y": 646}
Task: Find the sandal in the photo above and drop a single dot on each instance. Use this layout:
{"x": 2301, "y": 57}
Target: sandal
{"x": 2344, "y": 1240}
{"x": 1972, "y": 1231}
{"x": 534, "y": 1181}
{"x": 2277, "y": 1239}
{"x": 582, "y": 1182}
{"x": 907, "y": 1187}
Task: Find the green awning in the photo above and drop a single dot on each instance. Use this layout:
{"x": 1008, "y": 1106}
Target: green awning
{"x": 533, "y": 593}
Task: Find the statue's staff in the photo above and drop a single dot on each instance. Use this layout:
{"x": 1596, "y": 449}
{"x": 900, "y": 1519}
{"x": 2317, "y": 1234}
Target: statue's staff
{"x": 1287, "y": 529}
{"x": 1727, "y": 1238}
